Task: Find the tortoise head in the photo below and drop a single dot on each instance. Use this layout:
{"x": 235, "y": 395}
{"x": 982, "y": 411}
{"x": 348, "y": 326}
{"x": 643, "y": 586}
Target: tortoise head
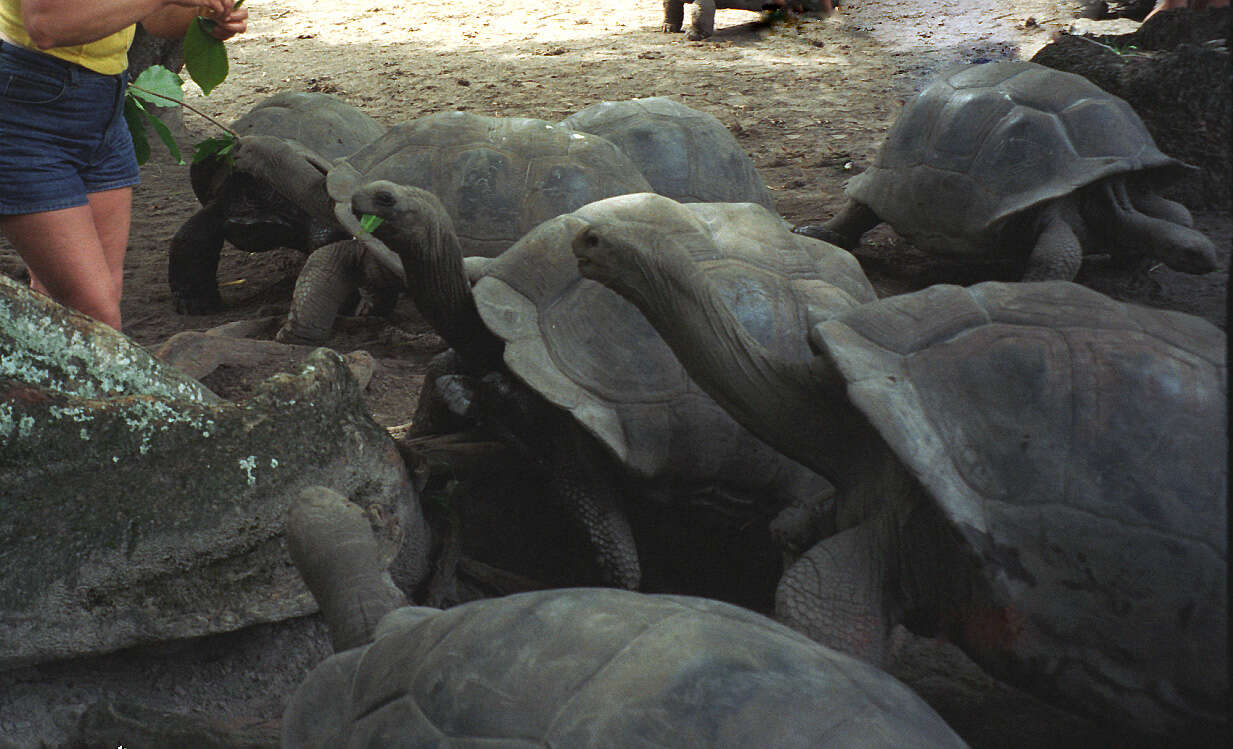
{"x": 291, "y": 169}
{"x": 1142, "y": 222}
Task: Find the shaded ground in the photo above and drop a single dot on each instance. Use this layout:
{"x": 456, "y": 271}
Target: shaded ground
{"x": 810, "y": 101}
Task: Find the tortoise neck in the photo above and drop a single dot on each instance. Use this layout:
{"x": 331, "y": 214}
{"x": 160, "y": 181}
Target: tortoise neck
{"x": 432, "y": 263}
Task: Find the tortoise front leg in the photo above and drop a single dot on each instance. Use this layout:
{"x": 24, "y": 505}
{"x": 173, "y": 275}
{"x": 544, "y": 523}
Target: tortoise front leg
{"x": 702, "y": 23}
{"x": 331, "y": 275}
{"x": 845, "y": 228}
{"x": 1058, "y": 252}
{"x": 192, "y": 262}
{"x": 674, "y": 16}
{"x": 834, "y": 594}
{"x": 581, "y": 482}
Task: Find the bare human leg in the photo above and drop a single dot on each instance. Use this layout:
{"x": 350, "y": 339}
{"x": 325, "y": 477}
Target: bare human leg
{"x": 76, "y": 255}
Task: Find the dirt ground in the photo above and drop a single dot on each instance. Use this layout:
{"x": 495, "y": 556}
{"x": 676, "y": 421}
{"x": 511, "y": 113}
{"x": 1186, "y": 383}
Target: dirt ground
{"x": 809, "y": 99}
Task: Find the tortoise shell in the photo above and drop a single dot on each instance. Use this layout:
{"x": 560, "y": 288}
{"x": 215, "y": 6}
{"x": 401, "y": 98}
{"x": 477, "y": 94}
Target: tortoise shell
{"x": 601, "y": 667}
{"x": 591, "y": 352}
{"x": 498, "y": 177}
{"x": 1077, "y": 448}
{"x": 328, "y": 126}
{"x": 685, "y": 154}
{"x": 998, "y": 140}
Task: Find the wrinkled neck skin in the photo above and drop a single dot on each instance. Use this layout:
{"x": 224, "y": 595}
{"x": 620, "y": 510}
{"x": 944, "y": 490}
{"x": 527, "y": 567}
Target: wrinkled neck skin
{"x": 332, "y": 545}
{"x": 1138, "y": 221}
{"x": 432, "y": 263}
{"x": 798, "y": 407}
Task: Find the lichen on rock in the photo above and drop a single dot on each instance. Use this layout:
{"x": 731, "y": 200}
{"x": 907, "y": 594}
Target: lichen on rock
{"x": 136, "y": 506}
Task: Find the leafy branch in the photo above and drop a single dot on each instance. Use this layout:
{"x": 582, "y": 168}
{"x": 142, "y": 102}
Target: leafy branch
{"x": 205, "y": 59}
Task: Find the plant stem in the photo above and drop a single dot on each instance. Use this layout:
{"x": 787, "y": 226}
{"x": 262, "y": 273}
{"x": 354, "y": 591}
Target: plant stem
{"x": 187, "y": 106}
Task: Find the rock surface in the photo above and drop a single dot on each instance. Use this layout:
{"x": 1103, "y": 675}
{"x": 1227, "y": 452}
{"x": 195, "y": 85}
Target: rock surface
{"x": 139, "y": 507}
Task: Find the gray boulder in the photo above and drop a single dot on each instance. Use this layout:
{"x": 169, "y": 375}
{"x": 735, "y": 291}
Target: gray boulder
{"x": 137, "y": 506}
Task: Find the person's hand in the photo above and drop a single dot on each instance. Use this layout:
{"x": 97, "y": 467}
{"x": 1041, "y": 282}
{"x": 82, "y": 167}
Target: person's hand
{"x": 227, "y": 25}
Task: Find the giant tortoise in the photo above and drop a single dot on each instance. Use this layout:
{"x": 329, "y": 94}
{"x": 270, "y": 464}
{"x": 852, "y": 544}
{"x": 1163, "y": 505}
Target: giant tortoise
{"x": 685, "y": 154}
{"x": 498, "y": 177}
{"x": 580, "y": 381}
{"x": 249, "y": 212}
{"x": 570, "y": 668}
{"x": 1013, "y": 160}
{"x": 1033, "y": 470}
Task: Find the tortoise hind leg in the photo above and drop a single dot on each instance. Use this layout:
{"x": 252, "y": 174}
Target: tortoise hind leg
{"x": 845, "y": 228}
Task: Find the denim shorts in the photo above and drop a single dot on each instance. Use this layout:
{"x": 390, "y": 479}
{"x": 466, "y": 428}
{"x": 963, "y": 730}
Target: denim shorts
{"x": 62, "y": 132}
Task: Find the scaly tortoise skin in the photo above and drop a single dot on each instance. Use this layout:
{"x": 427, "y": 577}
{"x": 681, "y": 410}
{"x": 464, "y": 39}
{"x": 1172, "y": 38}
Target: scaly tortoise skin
{"x": 1014, "y": 160}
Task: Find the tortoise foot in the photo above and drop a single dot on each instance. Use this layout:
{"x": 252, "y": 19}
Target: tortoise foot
{"x": 820, "y": 231}
{"x": 197, "y": 302}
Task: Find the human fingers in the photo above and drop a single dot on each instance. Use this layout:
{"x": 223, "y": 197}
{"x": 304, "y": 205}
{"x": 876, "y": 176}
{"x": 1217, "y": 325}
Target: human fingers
{"x": 228, "y": 26}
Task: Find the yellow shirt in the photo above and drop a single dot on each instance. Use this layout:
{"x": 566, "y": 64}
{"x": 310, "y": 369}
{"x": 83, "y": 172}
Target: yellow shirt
{"x": 108, "y": 55}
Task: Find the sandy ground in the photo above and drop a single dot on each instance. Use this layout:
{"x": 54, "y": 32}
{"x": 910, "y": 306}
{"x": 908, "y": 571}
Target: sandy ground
{"x": 809, "y": 99}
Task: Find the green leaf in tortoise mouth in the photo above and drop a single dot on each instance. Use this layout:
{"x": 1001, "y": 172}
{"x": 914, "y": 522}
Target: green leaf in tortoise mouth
{"x": 369, "y": 222}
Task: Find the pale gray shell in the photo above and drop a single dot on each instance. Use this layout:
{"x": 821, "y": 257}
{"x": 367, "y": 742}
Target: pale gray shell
{"x": 498, "y": 177}
{"x": 584, "y": 348}
{"x": 685, "y": 154}
{"x": 602, "y": 668}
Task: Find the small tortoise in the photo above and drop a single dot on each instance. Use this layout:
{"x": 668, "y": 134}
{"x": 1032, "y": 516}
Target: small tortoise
{"x": 685, "y": 154}
{"x": 498, "y": 177}
{"x": 586, "y": 386}
{"x": 250, "y": 213}
{"x": 579, "y": 667}
{"x": 1016, "y": 160}
{"x": 1033, "y": 470}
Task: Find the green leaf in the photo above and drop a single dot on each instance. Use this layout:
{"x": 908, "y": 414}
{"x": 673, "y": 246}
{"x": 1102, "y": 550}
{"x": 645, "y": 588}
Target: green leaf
{"x": 204, "y": 56}
{"x": 158, "y": 82}
{"x": 219, "y": 147}
{"x": 164, "y": 134}
{"x": 133, "y": 112}
{"x": 369, "y": 222}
